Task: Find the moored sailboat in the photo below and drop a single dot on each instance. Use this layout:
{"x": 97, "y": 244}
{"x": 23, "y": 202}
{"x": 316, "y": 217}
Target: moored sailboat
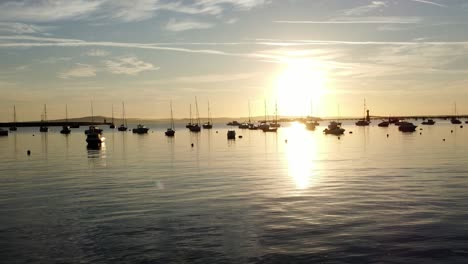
{"x": 13, "y": 127}
{"x": 170, "y": 132}
{"x": 196, "y": 127}
{"x": 209, "y": 124}
{"x": 44, "y": 127}
{"x": 65, "y": 129}
{"x": 123, "y": 127}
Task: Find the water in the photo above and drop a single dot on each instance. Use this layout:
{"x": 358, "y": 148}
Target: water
{"x": 315, "y": 198}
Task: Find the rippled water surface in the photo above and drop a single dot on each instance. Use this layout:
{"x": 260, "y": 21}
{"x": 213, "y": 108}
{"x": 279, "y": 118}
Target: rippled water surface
{"x": 293, "y": 197}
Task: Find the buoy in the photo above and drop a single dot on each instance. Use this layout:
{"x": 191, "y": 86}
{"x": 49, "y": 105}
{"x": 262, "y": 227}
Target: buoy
{"x": 216, "y": 131}
{"x": 451, "y": 131}
{"x": 350, "y": 132}
{"x": 339, "y": 138}
{"x": 33, "y": 135}
{"x": 388, "y": 135}
{"x": 461, "y": 126}
{"x": 192, "y": 145}
{"x": 29, "y": 152}
{"x": 286, "y": 141}
{"x": 420, "y": 133}
{"x": 240, "y": 136}
{"x": 443, "y": 139}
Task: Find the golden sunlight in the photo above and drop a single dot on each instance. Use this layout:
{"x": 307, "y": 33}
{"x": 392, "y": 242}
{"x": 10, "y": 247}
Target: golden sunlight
{"x": 300, "y": 156}
{"x": 300, "y": 87}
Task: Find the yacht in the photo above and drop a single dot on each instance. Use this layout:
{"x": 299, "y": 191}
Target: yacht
{"x": 334, "y": 129}
{"x": 13, "y": 127}
{"x": 94, "y": 138}
{"x": 123, "y": 127}
{"x": 140, "y": 129}
{"x": 3, "y": 132}
{"x": 93, "y": 129}
{"x": 190, "y": 123}
{"x": 65, "y": 129}
{"x": 275, "y": 123}
{"x": 407, "y": 127}
{"x": 244, "y": 126}
{"x": 196, "y": 127}
{"x": 384, "y": 124}
{"x": 454, "y": 120}
{"x": 170, "y": 132}
{"x": 43, "y": 127}
{"x": 209, "y": 124}
{"x": 231, "y": 134}
{"x": 429, "y": 122}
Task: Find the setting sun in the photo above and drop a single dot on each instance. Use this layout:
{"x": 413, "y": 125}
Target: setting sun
{"x": 300, "y": 87}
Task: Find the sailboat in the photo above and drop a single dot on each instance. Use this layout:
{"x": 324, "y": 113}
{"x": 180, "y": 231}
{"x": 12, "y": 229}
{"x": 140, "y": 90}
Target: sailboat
{"x": 265, "y": 126}
{"x": 13, "y": 127}
{"x": 43, "y": 127}
{"x": 123, "y": 126}
{"x": 196, "y": 127}
{"x": 66, "y": 129}
{"x": 189, "y": 125}
{"x": 171, "y": 131}
{"x": 112, "y": 125}
{"x": 92, "y": 128}
{"x": 275, "y": 123}
{"x": 209, "y": 124}
{"x": 454, "y": 120}
{"x": 363, "y": 122}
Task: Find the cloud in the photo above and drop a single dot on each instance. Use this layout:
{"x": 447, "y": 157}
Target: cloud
{"x": 360, "y": 10}
{"x": 128, "y": 66}
{"x": 97, "y": 53}
{"x": 78, "y": 71}
{"x": 358, "y": 20}
{"x": 21, "y": 28}
{"x": 176, "y": 26}
{"x": 115, "y": 10}
{"x": 44, "y": 10}
{"x": 213, "y": 78}
{"x": 428, "y": 2}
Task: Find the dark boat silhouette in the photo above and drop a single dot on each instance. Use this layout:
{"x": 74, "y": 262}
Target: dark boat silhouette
{"x": 65, "y": 129}
{"x": 170, "y": 132}
{"x": 13, "y": 127}
{"x": 407, "y": 127}
{"x": 429, "y": 122}
{"x": 384, "y": 124}
{"x": 140, "y": 129}
{"x": 43, "y": 127}
{"x": 209, "y": 124}
{"x": 3, "y": 132}
{"x": 123, "y": 127}
{"x": 231, "y": 134}
{"x": 334, "y": 129}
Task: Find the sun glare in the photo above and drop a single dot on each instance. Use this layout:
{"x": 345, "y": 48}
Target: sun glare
{"x": 300, "y": 87}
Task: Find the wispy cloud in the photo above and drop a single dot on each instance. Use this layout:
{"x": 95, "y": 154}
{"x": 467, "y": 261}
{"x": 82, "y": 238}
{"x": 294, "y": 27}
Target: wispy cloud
{"x": 358, "y": 20}
{"x": 97, "y": 53}
{"x": 21, "y": 28}
{"x": 78, "y": 71}
{"x": 360, "y": 10}
{"x": 175, "y": 25}
{"x": 213, "y": 78}
{"x": 428, "y": 2}
{"x": 128, "y": 66}
{"x": 115, "y": 10}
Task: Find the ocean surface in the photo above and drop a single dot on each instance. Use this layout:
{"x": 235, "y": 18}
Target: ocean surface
{"x": 295, "y": 196}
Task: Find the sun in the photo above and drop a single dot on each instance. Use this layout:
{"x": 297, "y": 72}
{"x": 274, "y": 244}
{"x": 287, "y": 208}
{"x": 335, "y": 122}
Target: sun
{"x": 300, "y": 87}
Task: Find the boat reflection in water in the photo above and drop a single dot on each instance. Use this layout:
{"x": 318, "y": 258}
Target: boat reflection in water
{"x": 301, "y": 156}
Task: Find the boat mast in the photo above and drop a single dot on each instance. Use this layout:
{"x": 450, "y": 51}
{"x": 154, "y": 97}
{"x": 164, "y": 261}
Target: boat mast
{"x": 66, "y": 113}
{"x": 249, "y": 112}
{"x": 112, "y": 113}
{"x": 276, "y": 112}
{"x": 45, "y": 113}
{"x": 172, "y": 117}
{"x": 364, "y": 108}
{"x": 191, "y": 114}
{"x": 198, "y": 114}
{"x": 124, "y": 119}
{"x": 14, "y": 115}
{"x": 209, "y": 115}
{"x": 92, "y": 113}
{"x": 265, "y": 110}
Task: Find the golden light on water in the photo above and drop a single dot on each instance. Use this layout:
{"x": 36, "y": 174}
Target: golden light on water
{"x": 301, "y": 84}
{"x": 301, "y": 154}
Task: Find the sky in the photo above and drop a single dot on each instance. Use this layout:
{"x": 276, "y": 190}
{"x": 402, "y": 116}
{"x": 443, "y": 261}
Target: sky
{"x": 319, "y": 57}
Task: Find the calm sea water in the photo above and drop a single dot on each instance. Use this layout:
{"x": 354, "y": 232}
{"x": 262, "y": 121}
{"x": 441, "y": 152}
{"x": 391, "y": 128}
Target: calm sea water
{"x": 363, "y": 198}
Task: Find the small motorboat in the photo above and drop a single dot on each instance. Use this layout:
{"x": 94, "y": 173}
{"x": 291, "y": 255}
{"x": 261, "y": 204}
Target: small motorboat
{"x": 362, "y": 123}
{"x": 170, "y": 132}
{"x": 207, "y": 125}
{"x": 43, "y": 129}
{"x": 334, "y": 129}
{"x": 466, "y": 122}
{"x": 407, "y": 127}
{"x": 270, "y": 129}
{"x": 112, "y": 126}
{"x": 429, "y": 122}
{"x": 384, "y": 124}
{"x": 93, "y": 129}
{"x": 3, "y": 132}
{"x": 140, "y": 129}
{"x": 122, "y": 128}
{"x": 65, "y": 130}
{"x": 231, "y": 134}
{"x": 455, "y": 121}
{"x": 244, "y": 126}
{"x": 94, "y": 139}
{"x": 233, "y": 123}
{"x": 195, "y": 128}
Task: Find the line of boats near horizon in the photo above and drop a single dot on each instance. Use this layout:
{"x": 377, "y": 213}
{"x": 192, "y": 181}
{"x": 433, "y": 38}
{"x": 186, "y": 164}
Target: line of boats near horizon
{"x": 95, "y": 139}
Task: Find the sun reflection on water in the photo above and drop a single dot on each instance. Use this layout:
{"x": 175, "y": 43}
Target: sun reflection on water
{"x": 301, "y": 156}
